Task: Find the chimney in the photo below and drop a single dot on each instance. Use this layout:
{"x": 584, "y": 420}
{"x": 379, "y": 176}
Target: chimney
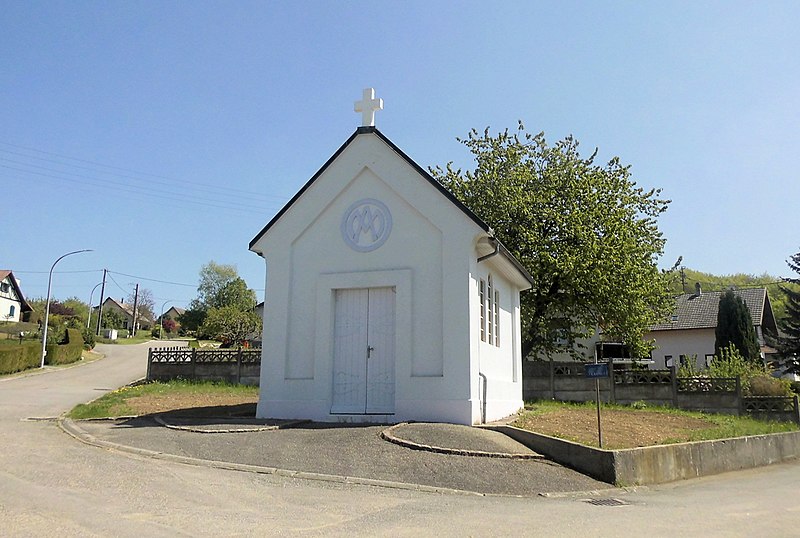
{"x": 697, "y": 289}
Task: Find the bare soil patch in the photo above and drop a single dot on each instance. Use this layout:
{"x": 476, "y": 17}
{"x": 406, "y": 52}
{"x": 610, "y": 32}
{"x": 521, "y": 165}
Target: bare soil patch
{"x": 196, "y": 404}
{"x": 621, "y": 428}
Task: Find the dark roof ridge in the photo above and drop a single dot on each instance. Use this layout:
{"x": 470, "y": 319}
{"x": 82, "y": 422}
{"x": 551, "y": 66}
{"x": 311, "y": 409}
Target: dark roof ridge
{"x": 373, "y": 130}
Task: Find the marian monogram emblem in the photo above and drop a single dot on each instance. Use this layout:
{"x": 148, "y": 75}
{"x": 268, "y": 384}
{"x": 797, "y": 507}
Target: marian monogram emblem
{"x": 366, "y": 225}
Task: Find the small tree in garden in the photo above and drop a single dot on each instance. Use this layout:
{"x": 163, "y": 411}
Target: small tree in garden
{"x": 790, "y": 325}
{"x": 735, "y": 327}
{"x": 169, "y": 325}
{"x": 231, "y": 325}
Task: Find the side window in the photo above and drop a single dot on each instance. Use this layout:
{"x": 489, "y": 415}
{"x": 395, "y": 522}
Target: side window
{"x": 12, "y": 311}
{"x": 482, "y": 297}
{"x": 497, "y": 318}
{"x": 489, "y": 298}
{"x": 668, "y": 361}
{"x": 709, "y": 360}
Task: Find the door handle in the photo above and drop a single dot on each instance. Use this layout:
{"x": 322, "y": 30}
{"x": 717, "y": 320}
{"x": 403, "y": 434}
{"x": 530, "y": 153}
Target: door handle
{"x": 370, "y": 349}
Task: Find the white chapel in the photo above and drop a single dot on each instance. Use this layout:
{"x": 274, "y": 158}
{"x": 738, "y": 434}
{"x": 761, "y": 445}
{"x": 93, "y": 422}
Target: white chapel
{"x": 387, "y": 299}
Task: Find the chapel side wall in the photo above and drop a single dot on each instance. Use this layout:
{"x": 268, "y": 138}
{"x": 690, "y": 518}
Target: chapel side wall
{"x": 501, "y": 381}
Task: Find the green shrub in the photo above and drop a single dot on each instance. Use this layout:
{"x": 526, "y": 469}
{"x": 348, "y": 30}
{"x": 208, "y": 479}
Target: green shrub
{"x": 795, "y": 386}
{"x": 88, "y": 338}
{"x": 68, "y": 351}
{"x": 14, "y": 358}
{"x": 766, "y": 385}
{"x": 194, "y": 343}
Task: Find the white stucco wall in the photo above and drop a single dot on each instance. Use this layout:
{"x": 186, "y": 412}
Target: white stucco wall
{"x": 687, "y": 342}
{"x": 496, "y": 370}
{"x": 8, "y": 299}
{"x": 429, "y": 258}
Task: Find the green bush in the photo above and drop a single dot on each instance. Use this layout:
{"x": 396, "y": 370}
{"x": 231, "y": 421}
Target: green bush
{"x": 88, "y": 338}
{"x": 68, "y": 351}
{"x": 795, "y": 386}
{"x": 14, "y": 358}
{"x": 766, "y": 385}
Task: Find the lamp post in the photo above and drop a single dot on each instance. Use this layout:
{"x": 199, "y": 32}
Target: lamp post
{"x": 47, "y": 308}
{"x": 89, "y": 318}
{"x": 161, "y": 320}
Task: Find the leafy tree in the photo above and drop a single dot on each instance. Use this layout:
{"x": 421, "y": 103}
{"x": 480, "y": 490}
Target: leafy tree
{"x": 790, "y": 339}
{"x": 214, "y": 277}
{"x": 192, "y": 319}
{"x": 222, "y": 292}
{"x": 79, "y": 308}
{"x": 60, "y": 309}
{"x": 236, "y": 294}
{"x": 586, "y": 233}
{"x": 735, "y": 328}
{"x": 112, "y": 319}
{"x": 231, "y": 325}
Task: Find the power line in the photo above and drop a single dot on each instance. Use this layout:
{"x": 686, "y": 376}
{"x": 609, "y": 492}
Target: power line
{"x": 154, "y": 280}
{"x": 115, "y": 282}
{"x": 154, "y": 193}
{"x": 139, "y": 173}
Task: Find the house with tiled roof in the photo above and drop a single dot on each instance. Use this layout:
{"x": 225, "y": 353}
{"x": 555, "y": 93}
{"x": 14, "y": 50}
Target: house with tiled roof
{"x": 690, "y": 332}
{"x": 12, "y": 301}
{"x": 173, "y": 313}
{"x": 125, "y": 310}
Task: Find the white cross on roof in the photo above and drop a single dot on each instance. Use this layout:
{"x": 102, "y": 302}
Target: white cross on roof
{"x": 367, "y": 106}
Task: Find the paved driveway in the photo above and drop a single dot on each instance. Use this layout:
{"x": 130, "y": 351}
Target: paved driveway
{"x": 52, "y": 485}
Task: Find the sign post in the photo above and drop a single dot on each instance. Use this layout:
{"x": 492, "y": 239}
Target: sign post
{"x": 596, "y": 371}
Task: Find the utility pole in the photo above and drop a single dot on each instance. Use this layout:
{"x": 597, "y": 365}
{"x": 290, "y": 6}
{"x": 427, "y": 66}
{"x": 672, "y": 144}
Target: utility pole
{"x": 135, "y": 303}
{"x": 102, "y": 297}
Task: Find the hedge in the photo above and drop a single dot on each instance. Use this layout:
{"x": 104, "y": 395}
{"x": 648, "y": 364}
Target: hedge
{"x": 14, "y": 358}
{"x": 68, "y": 351}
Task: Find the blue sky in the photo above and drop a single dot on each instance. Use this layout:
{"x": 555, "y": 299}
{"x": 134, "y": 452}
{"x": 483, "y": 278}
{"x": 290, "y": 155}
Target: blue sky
{"x": 166, "y": 134}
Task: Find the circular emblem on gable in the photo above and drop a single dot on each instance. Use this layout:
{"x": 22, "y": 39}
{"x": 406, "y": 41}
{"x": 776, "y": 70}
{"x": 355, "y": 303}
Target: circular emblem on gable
{"x": 366, "y": 225}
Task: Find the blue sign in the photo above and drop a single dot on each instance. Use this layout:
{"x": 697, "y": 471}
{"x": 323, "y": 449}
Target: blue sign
{"x": 596, "y": 370}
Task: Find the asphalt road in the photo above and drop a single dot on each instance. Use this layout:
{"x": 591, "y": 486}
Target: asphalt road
{"x": 51, "y": 484}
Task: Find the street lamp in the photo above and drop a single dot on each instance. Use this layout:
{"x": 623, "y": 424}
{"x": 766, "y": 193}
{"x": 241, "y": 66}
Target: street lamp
{"x": 89, "y": 318}
{"x": 47, "y": 309}
{"x": 161, "y": 320}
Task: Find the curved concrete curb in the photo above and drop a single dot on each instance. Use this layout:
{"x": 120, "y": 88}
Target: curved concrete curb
{"x": 388, "y": 435}
{"x": 159, "y": 420}
{"x": 69, "y": 427}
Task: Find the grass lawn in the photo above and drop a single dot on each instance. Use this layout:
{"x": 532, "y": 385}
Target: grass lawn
{"x": 626, "y": 427}
{"x": 159, "y": 397}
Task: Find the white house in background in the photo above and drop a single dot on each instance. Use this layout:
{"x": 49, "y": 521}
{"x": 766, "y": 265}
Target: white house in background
{"x": 125, "y": 311}
{"x": 386, "y": 298}
{"x": 173, "y": 313}
{"x": 12, "y": 301}
{"x": 691, "y": 330}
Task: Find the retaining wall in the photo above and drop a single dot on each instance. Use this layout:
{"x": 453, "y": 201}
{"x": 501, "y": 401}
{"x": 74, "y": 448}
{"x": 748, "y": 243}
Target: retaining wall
{"x": 663, "y": 463}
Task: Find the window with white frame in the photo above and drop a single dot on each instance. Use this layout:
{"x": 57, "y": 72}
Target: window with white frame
{"x": 482, "y": 296}
{"x": 490, "y": 311}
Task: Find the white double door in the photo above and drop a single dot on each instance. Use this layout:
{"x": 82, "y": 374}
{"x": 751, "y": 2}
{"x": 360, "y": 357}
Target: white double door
{"x": 363, "y": 351}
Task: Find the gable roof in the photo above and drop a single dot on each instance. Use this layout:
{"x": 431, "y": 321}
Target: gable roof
{"x": 127, "y": 308}
{"x": 417, "y": 168}
{"x": 699, "y": 311}
{"x": 7, "y": 273}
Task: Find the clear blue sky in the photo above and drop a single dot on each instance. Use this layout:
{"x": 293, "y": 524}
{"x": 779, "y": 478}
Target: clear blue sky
{"x": 166, "y": 134}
